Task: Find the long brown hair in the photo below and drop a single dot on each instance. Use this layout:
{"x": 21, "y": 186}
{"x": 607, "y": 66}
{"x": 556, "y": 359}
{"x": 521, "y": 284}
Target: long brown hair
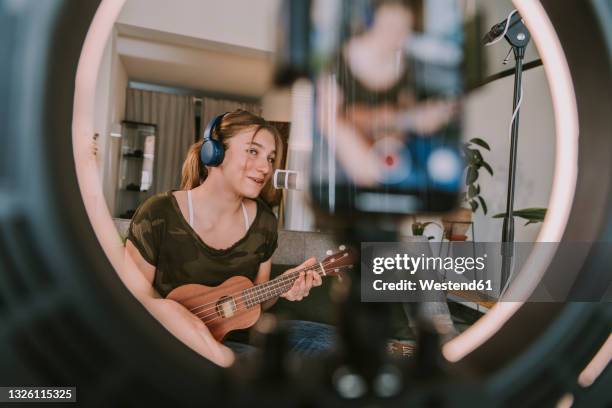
{"x": 194, "y": 172}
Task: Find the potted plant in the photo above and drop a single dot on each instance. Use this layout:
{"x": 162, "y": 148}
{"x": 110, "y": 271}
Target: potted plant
{"x": 418, "y": 228}
{"x": 457, "y": 223}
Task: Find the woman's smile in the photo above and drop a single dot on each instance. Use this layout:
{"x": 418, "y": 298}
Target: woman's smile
{"x": 257, "y": 180}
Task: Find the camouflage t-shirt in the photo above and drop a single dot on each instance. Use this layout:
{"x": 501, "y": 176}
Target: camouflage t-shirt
{"x": 165, "y": 239}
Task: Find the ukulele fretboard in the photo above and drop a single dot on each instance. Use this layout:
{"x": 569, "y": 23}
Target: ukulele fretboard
{"x": 271, "y": 289}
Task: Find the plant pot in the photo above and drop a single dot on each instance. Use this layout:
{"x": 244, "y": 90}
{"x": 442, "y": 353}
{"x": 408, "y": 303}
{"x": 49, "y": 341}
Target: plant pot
{"x": 456, "y": 223}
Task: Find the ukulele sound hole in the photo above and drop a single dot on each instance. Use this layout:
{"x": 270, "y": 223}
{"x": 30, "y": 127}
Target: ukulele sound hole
{"x": 226, "y": 307}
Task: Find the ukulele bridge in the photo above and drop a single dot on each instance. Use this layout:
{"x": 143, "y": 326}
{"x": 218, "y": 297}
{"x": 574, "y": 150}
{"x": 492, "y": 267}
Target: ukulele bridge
{"x": 226, "y": 306}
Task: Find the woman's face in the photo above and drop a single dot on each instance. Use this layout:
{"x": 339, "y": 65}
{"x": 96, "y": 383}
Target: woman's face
{"x": 393, "y": 24}
{"x": 248, "y": 163}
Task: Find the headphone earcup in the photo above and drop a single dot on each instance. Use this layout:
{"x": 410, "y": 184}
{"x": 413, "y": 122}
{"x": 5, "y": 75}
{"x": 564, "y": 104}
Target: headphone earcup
{"x": 212, "y": 152}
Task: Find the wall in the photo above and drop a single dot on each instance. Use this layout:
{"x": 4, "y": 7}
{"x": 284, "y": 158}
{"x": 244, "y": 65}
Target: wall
{"x": 211, "y": 70}
{"x": 109, "y": 109}
{"x": 117, "y": 101}
{"x": 488, "y": 117}
{"x": 229, "y": 21}
{"x": 102, "y": 106}
{"x": 276, "y": 105}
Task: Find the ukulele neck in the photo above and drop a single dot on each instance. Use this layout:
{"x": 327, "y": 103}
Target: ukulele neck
{"x": 275, "y": 287}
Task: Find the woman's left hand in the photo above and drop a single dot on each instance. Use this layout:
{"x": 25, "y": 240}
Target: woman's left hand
{"x": 306, "y": 280}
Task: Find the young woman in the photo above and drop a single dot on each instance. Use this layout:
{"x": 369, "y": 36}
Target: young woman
{"x": 216, "y": 227}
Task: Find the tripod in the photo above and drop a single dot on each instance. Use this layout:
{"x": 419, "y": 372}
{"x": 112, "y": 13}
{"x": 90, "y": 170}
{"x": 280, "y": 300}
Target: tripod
{"x": 518, "y": 36}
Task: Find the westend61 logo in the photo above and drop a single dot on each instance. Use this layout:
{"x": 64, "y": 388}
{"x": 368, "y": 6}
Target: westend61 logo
{"x": 429, "y": 263}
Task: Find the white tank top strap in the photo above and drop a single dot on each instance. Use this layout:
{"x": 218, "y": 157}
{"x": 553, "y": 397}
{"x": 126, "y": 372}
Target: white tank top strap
{"x": 189, "y": 203}
{"x": 246, "y": 216}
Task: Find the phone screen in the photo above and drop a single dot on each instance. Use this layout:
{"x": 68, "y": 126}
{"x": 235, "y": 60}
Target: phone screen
{"x": 389, "y": 90}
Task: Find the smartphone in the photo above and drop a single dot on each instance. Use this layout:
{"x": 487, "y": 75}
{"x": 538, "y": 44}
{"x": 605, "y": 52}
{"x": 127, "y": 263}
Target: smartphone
{"x": 388, "y": 100}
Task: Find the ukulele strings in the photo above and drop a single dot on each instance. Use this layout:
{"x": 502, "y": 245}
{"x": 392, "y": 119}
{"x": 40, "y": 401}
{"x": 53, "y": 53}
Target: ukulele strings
{"x": 279, "y": 282}
{"x": 237, "y": 308}
{"x": 279, "y": 279}
{"x": 240, "y": 300}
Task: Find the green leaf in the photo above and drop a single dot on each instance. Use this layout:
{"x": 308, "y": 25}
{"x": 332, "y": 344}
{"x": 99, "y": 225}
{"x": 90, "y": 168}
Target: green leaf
{"x": 472, "y": 192}
{"x": 471, "y": 176}
{"x": 487, "y": 167}
{"x": 532, "y": 215}
{"x": 483, "y": 205}
{"x": 477, "y": 189}
{"x": 470, "y": 156}
{"x": 536, "y": 210}
{"x": 478, "y": 141}
{"x": 474, "y": 205}
{"x": 417, "y": 229}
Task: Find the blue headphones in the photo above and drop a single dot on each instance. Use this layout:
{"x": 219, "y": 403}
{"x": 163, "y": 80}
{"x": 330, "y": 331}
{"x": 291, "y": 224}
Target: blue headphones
{"x": 212, "y": 151}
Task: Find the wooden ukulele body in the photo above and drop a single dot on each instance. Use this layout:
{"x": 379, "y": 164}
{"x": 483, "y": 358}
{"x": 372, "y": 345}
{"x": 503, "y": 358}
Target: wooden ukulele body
{"x": 222, "y": 308}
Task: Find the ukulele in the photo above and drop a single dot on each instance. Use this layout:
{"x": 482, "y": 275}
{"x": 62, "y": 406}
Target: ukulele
{"x": 236, "y": 303}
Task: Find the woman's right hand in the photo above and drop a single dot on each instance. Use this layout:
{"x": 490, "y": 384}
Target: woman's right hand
{"x": 190, "y": 330}
{"x": 137, "y": 274}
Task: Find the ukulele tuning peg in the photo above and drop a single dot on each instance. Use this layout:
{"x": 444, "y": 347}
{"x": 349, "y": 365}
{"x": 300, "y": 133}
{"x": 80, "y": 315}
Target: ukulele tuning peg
{"x": 329, "y": 252}
{"x": 342, "y": 247}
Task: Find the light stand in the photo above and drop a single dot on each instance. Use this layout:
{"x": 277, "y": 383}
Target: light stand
{"x": 518, "y": 36}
